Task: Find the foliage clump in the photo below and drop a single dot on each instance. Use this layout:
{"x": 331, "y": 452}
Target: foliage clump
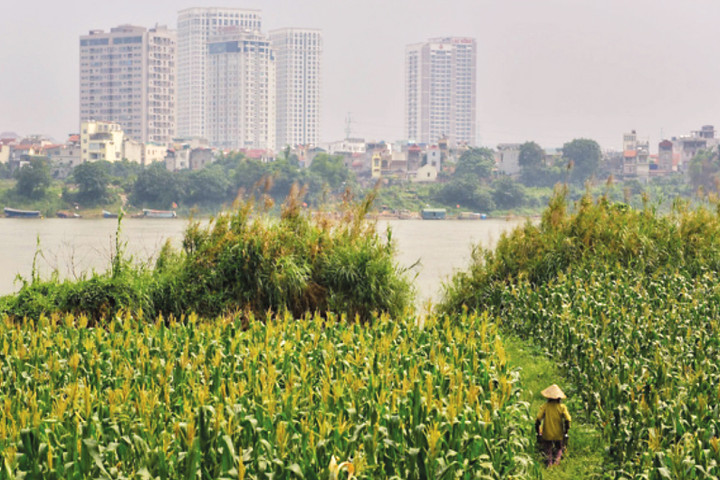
{"x": 252, "y": 262}
{"x": 243, "y": 260}
{"x": 595, "y": 233}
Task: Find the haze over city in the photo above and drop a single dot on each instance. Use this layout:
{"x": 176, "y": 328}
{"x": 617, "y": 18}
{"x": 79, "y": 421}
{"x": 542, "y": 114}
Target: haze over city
{"x": 547, "y": 71}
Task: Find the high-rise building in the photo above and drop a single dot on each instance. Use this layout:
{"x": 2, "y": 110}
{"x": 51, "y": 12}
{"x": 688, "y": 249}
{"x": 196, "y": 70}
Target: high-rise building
{"x": 440, "y": 84}
{"x": 127, "y": 76}
{"x": 240, "y": 91}
{"x": 196, "y": 26}
{"x": 297, "y": 57}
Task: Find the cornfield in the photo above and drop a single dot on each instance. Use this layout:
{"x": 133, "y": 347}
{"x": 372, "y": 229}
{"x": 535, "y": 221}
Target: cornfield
{"x": 285, "y": 398}
{"x": 644, "y": 355}
{"x": 628, "y": 302}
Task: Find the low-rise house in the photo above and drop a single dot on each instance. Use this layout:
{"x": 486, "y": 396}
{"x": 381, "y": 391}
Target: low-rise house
{"x": 65, "y": 157}
{"x": 101, "y": 141}
{"x": 507, "y": 158}
{"x": 426, "y": 173}
{"x": 188, "y": 158}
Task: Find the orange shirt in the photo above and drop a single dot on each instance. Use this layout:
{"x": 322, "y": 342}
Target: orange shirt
{"x": 552, "y": 413}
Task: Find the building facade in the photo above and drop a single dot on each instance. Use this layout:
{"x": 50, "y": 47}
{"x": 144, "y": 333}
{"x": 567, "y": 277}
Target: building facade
{"x": 440, "y": 91}
{"x": 101, "y": 141}
{"x": 196, "y": 27}
{"x": 298, "y": 54}
{"x": 127, "y": 76}
{"x": 240, "y": 91}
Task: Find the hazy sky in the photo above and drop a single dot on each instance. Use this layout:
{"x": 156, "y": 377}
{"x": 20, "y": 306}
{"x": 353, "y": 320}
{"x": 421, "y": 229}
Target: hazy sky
{"x": 548, "y": 70}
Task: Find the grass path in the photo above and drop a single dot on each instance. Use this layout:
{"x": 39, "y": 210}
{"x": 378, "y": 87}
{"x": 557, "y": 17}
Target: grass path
{"x": 583, "y": 458}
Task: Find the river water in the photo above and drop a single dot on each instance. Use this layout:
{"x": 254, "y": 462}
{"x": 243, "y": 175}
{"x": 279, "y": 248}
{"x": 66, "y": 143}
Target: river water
{"x": 74, "y": 246}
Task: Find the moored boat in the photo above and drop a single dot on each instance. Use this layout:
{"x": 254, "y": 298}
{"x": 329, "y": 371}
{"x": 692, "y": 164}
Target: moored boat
{"x": 471, "y": 216}
{"x": 433, "y": 213}
{"x": 150, "y": 213}
{"x": 66, "y": 214}
{"x": 107, "y": 214}
{"x": 15, "y": 213}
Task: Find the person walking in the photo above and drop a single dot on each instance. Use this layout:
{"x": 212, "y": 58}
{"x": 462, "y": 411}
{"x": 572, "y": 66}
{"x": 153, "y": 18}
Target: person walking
{"x": 552, "y": 425}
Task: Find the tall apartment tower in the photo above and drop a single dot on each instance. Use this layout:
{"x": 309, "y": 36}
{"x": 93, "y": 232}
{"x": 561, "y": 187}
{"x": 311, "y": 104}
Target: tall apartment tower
{"x": 196, "y": 26}
{"x": 440, "y": 84}
{"x": 297, "y": 57}
{"x": 240, "y": 91}
{"x": 127, "y": 76}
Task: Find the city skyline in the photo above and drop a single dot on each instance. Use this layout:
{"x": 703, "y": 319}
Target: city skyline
{"x": 547, "y": 71}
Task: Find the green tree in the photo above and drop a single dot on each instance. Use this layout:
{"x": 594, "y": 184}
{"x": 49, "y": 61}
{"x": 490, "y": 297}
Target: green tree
{"x": 584, "y": 154}
{"x": 476, "y": 164}
{"x": 92, "y": 179}
{"x": 466, "y": 193}
{"x": 34, "y": 178}
{"x": 507, "y": 193}
{"x": 156, "y": 187}
{"x": 704, "y": 170}
{"x": 208, "y": 186}
{"x": 248, "y": 173}
{"x": 531, "y": 156}
{"x": 330, "y": 169}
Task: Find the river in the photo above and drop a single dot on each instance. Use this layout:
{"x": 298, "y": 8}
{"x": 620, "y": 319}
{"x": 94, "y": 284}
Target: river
{"x": 74, "y": 246}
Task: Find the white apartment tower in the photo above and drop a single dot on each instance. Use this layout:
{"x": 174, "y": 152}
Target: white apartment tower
{"x": 196, "y": 26}
{"x": 127, "y": 76}
{"x": 240, "y": 91}
{"x": 297, "y": 57}
{"x": 440, "y": 84}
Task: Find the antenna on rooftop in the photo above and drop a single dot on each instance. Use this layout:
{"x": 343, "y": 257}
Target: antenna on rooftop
{"x": 348, "y": 125}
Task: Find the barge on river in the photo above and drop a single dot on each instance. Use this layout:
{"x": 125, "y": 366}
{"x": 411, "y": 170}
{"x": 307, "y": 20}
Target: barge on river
{"x": 433, "y": 213}
{"x": 149, "y": 213}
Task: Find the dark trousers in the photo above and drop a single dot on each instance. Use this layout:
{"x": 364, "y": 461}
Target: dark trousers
{"x": 552, "y": 450}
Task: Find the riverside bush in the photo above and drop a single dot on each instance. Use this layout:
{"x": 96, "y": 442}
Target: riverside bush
{"x": 243, "y": 260}
{"x": 596, "y": 234}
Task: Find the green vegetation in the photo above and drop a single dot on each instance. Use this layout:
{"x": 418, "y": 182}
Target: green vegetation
{"x": 626, "y": 302}
{"x": 157, "y": 399}
{"x": 583, "y": 457}
{"x": 471, "y": 184}
{"x": 245, "y": 260}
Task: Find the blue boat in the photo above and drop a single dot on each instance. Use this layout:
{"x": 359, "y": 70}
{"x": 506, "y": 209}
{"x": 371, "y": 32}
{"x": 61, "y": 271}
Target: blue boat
{"x": 15, "y": 213}
{"x": 433, "y": 213}
{"x": 107, "y": 214}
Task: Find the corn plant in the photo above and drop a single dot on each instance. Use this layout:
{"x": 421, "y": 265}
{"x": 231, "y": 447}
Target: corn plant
{"x": 275, "y": 399}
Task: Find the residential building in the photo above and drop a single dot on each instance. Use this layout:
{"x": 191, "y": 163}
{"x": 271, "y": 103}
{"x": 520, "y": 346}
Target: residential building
{"x": 298, "y": 54}
{"x": 101, "y": 141}
{"x": 687, "y": 146}
{"x": 127, "y": 76}
{"x": 440, "y": 91}
{"x": 4, "y": 152}
{"x": 65, "y": 157}
{"x": 426, "y": 174}
{"x": 196, "y": 27}
{"x": 665, "y": 156}
{"x": 636, "y": 157}
{"x": 348, "y": 145}
{"x": 188, "y": 158}
{"x": 507, "y": 158}
{"x": 240, "y": 91}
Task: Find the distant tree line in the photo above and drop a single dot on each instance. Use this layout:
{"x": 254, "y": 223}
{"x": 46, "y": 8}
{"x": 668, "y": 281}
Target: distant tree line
{"x": 100, "y": 183}
{"x": 474, "y": 183}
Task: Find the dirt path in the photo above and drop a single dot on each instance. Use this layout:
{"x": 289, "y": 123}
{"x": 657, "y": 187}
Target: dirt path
{"x": 583, "y": 459}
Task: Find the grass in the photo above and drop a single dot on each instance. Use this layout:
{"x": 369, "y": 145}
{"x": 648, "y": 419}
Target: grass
{"x": 584, "y": 456}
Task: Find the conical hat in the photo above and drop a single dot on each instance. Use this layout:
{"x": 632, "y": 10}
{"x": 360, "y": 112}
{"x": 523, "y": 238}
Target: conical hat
{"x": 553, "y": 391}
